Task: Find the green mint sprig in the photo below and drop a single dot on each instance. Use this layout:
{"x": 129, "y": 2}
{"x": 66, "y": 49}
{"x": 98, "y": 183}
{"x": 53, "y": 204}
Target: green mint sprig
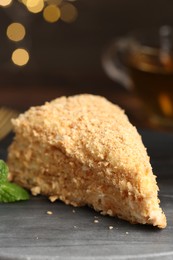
{"x": 10, "y": 192}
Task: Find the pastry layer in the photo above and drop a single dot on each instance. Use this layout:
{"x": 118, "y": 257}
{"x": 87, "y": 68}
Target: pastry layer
{"x": 84, "y": 151}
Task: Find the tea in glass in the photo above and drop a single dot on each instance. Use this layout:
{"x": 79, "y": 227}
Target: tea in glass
{"x": 152, "y": 74}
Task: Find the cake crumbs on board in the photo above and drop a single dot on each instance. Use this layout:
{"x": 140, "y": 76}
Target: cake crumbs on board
{"x": 49, "y": 212}
{"x": 111, "y": 227}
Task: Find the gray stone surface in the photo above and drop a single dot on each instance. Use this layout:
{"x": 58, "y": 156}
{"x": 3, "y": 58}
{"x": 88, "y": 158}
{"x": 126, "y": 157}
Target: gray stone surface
{"x": 28, "y": 232}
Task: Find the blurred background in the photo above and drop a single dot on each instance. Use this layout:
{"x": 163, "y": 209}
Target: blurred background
{"x": 54, "y": 47}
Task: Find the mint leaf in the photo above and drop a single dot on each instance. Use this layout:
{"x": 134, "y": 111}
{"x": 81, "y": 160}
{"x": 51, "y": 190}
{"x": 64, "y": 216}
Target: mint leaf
{"x": 10, "y": 192}
{"x": 3, "y": 171}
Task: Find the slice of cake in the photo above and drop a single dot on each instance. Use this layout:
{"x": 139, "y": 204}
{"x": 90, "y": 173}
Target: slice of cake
{"x": 84, "y": 151}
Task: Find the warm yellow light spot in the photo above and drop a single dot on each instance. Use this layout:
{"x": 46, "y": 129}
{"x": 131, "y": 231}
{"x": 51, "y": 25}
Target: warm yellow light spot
{"x": 68, "y": 13}
{"x": 16, "y": 32}
{"x": 165, "y": 104}
{"x": 51, "y": 13}
{"x": 35, "y": 6}
{"x": 54, "y": 2}
{"x": 20, "y": 57}
{"x": 5, "y": 2}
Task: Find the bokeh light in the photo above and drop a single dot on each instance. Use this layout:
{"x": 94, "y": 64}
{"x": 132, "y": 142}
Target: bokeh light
{"x": 51, "y": 13}
{"x": 16, "y": 32}
{"x": 68, "y": 13}
{"x": 52, "y": 10}
{"x": 35, "y": 6}
{"x": 5, "y": 2}
{"x": 53, "y": 2}
{"x": 20, "y": 57}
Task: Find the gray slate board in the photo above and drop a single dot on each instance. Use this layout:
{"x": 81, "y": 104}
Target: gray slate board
{"x": 28, "y": 232}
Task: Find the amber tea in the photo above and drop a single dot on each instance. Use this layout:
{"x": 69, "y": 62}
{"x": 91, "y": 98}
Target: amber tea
{"x": 152, "y": 75}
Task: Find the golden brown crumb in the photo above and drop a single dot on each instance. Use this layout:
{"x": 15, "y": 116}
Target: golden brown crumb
{"x": 49, "y": 212}
{"x": 84, "y": 151}
{"x": 53, "y": 198}
{"x": 111, "y": 227}
{"x": 35, "y": 190}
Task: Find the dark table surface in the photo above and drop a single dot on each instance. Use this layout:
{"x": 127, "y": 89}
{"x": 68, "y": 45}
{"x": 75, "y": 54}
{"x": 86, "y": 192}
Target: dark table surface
{"x": 28, "y": 232}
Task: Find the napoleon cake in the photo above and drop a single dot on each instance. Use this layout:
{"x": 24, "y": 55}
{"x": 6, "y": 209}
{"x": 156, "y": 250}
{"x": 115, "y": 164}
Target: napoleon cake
{"x": 84, "y": 151}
